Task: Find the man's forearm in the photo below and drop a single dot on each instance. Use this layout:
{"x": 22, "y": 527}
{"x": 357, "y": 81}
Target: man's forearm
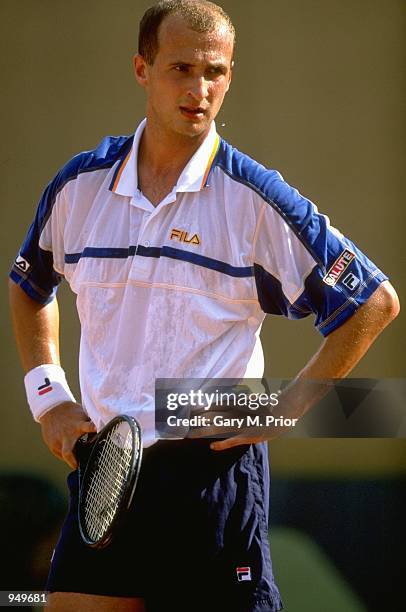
{"x": 337, "y": 356}
{"x": 36, "y": 329}
{"x": 344, "y": 348}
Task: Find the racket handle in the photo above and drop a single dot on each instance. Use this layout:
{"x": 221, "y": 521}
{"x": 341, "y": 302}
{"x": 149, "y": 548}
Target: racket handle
{"x": 81, "y": 448}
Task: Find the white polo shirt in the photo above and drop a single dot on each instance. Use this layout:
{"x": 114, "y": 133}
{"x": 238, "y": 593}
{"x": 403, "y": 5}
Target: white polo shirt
{"x": 180, "y": 290}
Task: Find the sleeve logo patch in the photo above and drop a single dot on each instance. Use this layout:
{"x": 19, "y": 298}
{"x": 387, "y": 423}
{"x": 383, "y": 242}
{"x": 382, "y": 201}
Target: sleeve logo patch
{"x": 21, "y": 263}
{"x": 351, "y": 281}
{"x": 338, "y": 268}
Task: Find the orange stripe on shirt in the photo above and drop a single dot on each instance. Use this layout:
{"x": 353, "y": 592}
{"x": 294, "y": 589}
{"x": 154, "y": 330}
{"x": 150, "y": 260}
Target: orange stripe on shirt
{"x": 213, "y": 153}
{"x": 123, "y": 165}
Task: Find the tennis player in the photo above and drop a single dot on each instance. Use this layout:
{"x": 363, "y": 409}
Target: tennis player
{"x": 177, "y": 245}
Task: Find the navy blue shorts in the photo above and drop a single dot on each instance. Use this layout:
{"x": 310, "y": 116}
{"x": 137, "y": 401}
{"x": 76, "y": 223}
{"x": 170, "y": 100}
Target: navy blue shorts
{"x": 196, "y": 537}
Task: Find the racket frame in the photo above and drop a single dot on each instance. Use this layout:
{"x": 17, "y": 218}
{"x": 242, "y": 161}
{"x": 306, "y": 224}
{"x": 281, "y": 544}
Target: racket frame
{"x": 93, "y": 442}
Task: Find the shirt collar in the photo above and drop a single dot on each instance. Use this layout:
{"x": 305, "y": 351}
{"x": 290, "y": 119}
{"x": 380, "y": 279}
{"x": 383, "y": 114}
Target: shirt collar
{"x": 194, "y": 176}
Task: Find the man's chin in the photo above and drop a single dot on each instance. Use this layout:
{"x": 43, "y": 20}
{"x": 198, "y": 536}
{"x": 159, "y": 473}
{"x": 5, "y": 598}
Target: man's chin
{"x": 194, "y": 129}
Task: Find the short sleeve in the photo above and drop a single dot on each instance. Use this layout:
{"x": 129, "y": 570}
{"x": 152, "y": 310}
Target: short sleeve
{"x": 34, "y": 268}
{"x": 305, "y": 266}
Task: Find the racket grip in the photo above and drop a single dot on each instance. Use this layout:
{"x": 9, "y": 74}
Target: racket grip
{"x": 81, "y": 448}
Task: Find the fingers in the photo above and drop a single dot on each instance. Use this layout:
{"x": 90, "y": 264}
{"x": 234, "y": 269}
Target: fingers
{"x": 236, "y": 441}
{"x": 62, "y": 427}
{"x": 63, "y": 450}
{"x": 88, "y": 427}
{"x": 68, "y": 454}
{"x": 69, "y": 458}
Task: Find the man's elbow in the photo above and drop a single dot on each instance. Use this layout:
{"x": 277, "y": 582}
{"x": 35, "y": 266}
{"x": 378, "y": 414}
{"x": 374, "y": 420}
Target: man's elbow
{"x": 387, "y": 302}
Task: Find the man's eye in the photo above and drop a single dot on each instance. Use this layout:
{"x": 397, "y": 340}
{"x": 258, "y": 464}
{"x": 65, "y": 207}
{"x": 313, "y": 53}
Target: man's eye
{"x": 214, "y": 72}
{"x": 181, "y": 68}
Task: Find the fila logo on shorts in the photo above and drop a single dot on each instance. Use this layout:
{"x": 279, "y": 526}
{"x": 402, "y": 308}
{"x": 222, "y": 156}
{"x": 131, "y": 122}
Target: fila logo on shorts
{"x": 243, "y": 574}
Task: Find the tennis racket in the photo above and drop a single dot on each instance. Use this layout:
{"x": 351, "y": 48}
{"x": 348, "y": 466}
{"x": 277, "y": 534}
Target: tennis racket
{"x": 109, "y": 464}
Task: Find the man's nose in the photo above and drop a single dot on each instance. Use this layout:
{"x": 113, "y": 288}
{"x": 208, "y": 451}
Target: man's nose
{"x": 199, "y": 88}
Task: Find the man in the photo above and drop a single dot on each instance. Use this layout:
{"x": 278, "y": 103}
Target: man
{"x": 177, "y": 245}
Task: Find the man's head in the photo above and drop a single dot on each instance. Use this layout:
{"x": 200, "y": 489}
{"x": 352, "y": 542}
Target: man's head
{"x": 184, "y": 64}
{"x": 200, "y": 15}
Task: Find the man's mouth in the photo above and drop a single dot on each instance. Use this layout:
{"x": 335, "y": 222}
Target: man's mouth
{"x": 192, "y": 111}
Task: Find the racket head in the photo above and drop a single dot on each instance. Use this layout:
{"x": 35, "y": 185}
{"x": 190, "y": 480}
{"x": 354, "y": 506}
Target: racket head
{"x": 109, "y": 480}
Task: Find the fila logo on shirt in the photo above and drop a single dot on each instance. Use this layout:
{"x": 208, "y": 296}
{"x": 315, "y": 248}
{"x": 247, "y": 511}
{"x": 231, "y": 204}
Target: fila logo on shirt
{"x": 21, "y": 263}
{"x": 243, "y": 574}
{"x": 183, "y": 236}
{"x": 45, "y": 388}
{"x": 338, "y": 268}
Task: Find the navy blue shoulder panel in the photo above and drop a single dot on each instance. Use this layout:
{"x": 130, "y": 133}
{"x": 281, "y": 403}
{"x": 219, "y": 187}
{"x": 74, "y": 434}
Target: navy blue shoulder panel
{"x": 296, "y": 210}
{"x": 105, "y": 155}
{"x": 332, "y": 300}
{"x": 33, "y": 267}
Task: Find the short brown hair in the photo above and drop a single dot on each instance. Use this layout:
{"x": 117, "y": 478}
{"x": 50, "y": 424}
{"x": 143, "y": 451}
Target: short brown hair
{"x": 201, "y": 16}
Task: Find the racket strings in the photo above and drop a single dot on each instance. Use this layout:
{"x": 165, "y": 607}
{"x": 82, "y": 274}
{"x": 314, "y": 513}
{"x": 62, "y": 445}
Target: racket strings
{"x": 107, "y": 482}
{"x": 106, "y": 488}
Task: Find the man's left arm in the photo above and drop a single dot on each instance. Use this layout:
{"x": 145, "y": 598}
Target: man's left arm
{"x": 339, "y": 353}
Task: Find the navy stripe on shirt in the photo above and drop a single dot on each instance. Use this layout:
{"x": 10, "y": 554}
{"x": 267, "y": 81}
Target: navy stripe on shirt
{"x": 164, "y": 251}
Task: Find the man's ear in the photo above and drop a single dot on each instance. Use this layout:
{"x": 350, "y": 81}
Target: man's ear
{"x": 230, "y": 74}
{"x": 140, "y": 70}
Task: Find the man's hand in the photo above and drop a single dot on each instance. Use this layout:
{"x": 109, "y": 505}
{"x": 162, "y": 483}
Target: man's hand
{"x": 238, "y": 441}
{"x": 287, "y": 408}
{"x": 62, "y": 426}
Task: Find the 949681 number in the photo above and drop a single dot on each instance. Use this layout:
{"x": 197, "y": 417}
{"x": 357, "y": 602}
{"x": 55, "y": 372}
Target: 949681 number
{"x": 21, "y": 598}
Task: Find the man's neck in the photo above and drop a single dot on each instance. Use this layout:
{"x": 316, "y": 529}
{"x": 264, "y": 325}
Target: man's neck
{"x": 161, "y": 160}
{"x": 161, "y": 153}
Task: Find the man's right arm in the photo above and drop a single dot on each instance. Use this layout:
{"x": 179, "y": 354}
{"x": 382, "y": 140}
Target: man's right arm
{"x": 36, "y": 329}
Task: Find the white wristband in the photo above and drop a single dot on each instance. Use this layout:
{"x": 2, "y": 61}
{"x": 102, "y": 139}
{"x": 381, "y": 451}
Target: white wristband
{"x": 46, "y": 387}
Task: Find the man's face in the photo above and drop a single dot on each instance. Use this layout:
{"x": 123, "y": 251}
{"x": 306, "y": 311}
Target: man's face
{"x": 189, "y": 78}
